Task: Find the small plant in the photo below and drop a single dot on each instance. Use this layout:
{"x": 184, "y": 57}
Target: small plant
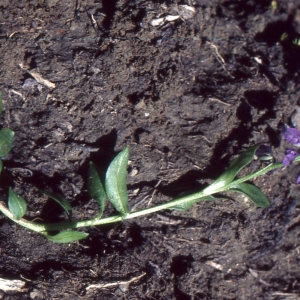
{"x": 115, "y": 190}
{"x": 6, "y": 138}
{"x": 295, "y": 41}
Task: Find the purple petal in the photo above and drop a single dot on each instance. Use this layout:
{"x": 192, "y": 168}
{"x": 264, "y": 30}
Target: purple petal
{"x": 292, "y": 135}
{"x": 290, "y": 155}
{"x": 298, "y": 179}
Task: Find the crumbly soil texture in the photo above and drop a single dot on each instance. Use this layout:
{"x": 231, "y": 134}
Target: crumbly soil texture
{"x": 81, "y": 80}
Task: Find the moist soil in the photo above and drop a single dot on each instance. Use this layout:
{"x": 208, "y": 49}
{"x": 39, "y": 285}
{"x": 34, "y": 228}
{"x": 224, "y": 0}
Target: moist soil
{"x": 187, "y": 96}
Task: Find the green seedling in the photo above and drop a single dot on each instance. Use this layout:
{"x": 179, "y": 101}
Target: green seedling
{"x": 273, "y": 5}
{"x": 16, "y": 204}
{"x": 6, "y": 138}
{"x": 292, "y": 41}
{"x": 114, "y": 189}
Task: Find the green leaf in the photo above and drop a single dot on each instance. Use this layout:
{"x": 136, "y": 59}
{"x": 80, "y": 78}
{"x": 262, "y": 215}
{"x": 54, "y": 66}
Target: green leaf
{"x": 16, "y": 204}
{"x": 96, "y": 189}
{"x": 253, "y": 193}
{"x": 237, "y": 164}
{"x": 1, "y": 165}
{"x": 67, "y": 236}
{"x": 115, "y": 182}
{"x": 1, "y": 103}
{"x": 6, "y": 140}
{"x": 62, "y": 201}
{"x": 186, "y": 204}
{"x": 297, "y": 158}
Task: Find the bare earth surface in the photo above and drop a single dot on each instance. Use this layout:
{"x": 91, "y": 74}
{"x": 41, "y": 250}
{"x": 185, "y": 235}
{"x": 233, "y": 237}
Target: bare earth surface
{"x": 187, "y": 96}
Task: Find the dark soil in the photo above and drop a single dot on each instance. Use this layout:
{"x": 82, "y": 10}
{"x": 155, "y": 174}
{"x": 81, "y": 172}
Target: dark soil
{"x": 187, "y": 97}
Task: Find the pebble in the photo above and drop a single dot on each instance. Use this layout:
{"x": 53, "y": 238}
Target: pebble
{"x": 295, "y": 118}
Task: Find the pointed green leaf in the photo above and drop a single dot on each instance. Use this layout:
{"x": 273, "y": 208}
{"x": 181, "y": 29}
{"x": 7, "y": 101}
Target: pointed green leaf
{"x": 1, "y": 103}
{"x": 297, "y": 158}
{"x": 237, "y": 164}
{"x": 253, "y": 193}
{"x": 115, "y": 182}
{"x": 1, "y": 165}
{"x": 16, "y": 204}
{"x": 96, "y": 189}
{"x": 62, "y": 201}
{"x": 186, "y": 204}
{"x": 67, "y": 236}
{"x": 6, "y": 140}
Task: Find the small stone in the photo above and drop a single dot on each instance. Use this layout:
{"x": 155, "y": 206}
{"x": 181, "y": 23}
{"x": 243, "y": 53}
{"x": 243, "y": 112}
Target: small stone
{"x": 295, "y": 118}
{"x": 186, "y": 11}
{"x": 124, "y": 287}
{"x": 36, "y": 294}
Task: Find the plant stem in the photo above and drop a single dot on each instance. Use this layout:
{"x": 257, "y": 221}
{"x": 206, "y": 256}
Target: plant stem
{"x": 168, "y": 205}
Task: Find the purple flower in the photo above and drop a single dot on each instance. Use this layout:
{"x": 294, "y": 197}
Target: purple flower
{"x": 292, "y": 135}
{"x": 290, "y": 155}
{"x": 298, "y": 179}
